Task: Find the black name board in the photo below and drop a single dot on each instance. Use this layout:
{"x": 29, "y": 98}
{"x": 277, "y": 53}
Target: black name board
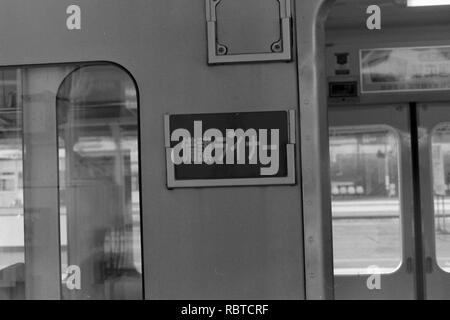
{"x": 243, "y": 148}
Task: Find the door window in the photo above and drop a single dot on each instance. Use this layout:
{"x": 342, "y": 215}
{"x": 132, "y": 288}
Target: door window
{"x": 365, "y": 199}
{"x": 440, "y": 144}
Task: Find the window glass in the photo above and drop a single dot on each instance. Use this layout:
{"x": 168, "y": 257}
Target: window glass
{"x": 99, "y": 179}
{"x": 440, "y": 143}
{"x": 12, "y": 253}
{"x": 69, "y": 183}
{"x": 365, "y": 199}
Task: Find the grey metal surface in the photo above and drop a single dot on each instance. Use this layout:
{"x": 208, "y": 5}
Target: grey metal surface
{"x": 310, "y": 18}
{"x": 219, "y": 243}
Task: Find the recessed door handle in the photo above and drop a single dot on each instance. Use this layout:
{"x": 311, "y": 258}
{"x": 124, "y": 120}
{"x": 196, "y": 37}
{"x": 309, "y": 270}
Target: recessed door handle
{"x": 409, "y": 265}
{"x": 428, "y": 265}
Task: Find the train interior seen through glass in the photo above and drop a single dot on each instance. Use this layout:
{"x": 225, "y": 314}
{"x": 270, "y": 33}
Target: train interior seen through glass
{"x": 389, "y": 149}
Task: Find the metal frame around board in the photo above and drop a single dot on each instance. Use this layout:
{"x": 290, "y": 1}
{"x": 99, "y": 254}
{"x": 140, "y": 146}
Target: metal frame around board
{"x": 172, "y": 182}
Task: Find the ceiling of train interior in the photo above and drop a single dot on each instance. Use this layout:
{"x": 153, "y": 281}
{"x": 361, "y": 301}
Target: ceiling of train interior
{"x": 352, "y": 13}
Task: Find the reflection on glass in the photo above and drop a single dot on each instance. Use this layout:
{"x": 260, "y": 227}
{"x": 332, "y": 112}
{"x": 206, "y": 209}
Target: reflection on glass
{"x": 365, "y": 199}
{"x": 12, "y": 253}
{"x": 440, "y": 144}
{"x": 86, "y": 180}
{"x": 99, "y": 183}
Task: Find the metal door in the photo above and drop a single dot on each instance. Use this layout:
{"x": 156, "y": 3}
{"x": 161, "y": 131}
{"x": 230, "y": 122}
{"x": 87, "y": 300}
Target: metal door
{"x": 373, "y": 209}
{"x": 433, "y": 128}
